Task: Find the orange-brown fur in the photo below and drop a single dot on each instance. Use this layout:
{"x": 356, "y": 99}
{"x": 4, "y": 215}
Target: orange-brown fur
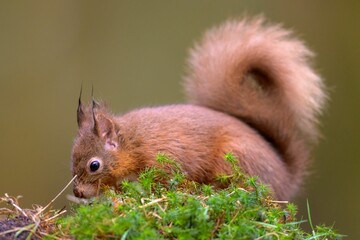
{"x": 252, "y": 93}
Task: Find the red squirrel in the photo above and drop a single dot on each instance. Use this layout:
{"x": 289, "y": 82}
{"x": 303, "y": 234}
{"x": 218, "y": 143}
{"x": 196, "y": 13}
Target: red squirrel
{"x": 252, "y": 92}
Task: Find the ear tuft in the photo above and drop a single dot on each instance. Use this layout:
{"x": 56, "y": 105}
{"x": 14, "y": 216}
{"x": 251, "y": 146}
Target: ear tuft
{"x": 80, "y": 112}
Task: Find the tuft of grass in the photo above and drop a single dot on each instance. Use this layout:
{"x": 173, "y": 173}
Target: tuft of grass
{"x": 36, "y": 223}
{"x": 165, "y": 205}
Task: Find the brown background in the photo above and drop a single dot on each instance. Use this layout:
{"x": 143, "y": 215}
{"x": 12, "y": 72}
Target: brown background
{"x": 134, "y": 53}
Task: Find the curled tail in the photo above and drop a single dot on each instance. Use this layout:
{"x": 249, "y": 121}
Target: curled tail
{"x": 261, "y": 74}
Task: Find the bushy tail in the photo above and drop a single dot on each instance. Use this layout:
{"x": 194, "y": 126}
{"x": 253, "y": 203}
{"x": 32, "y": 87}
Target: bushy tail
{"x": 261, "y": 74}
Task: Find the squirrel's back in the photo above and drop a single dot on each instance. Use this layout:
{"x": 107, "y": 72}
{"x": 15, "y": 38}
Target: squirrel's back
{"x": 261, "y": 74}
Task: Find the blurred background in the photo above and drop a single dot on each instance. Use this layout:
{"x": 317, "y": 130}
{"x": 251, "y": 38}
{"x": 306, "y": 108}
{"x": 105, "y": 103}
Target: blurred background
{"x": 134, "y": 53}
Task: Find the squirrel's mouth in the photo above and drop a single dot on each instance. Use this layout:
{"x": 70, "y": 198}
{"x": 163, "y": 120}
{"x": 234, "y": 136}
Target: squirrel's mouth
{"x": 87, "y": 190}
{"x": 93, "y": 189}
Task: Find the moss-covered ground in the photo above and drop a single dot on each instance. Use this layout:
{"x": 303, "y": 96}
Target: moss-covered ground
{"x": 167, "y": 206}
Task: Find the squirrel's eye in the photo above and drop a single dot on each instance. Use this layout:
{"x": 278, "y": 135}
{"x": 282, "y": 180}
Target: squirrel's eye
{"x": 94, "y": 165}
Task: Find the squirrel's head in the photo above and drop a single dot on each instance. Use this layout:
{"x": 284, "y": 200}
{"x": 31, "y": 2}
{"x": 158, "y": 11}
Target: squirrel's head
{"x": 94, "y": 150}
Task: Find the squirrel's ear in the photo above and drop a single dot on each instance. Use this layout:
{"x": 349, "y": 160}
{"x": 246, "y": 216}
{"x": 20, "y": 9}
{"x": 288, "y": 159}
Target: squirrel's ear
{"x": 105, "y": 129}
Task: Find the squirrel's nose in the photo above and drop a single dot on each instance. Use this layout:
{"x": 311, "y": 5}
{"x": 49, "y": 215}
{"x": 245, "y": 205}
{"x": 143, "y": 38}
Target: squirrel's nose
{"x": 78, "y": 193}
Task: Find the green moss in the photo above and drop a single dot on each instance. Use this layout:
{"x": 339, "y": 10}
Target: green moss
{"x": 167, "y": 206}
